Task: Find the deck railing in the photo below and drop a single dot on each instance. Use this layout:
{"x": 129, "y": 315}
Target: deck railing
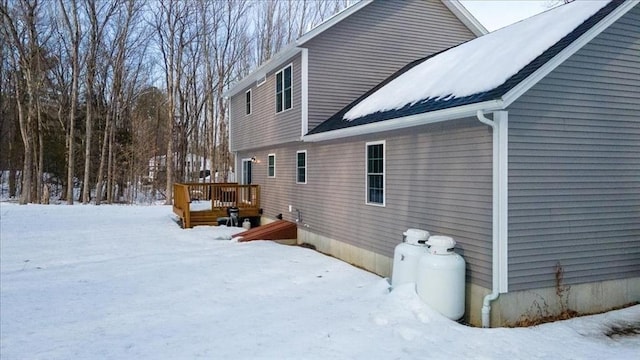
{"x": 219, "y": 196}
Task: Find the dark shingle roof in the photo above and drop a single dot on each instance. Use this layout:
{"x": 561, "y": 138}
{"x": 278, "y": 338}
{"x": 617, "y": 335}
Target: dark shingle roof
{"x": 337, "y": 121}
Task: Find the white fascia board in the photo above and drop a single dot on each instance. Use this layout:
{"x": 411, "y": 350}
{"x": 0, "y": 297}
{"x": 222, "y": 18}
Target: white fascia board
{"x": 466, "y": 17}
{"x": 293, "y": 48}
{"x": 330, "y": 22}
{"x": 563, "y": 55}
{"x": 407, "y": 121}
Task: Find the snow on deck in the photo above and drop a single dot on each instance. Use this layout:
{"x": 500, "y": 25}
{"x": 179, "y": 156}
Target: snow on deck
{"x": 481, "y": 64}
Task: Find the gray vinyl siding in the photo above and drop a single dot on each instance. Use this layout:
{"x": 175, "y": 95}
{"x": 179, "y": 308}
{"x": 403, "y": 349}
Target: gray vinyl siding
{"x": 437, "y": 177}
{"x": 358, "y": 53}
{"x": 574, "y": 166}
{"x": 265, "y": 127}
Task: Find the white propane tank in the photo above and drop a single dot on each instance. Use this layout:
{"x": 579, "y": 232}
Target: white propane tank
{"x": 441, "y": 277}
{"x": 246, "y": 224}
{"x": 406, "y": 256}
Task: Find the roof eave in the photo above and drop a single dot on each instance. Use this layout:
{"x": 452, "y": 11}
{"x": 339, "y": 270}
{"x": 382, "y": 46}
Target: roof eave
{"x": 407, "y": 121}
{"x": 466, "y": 17}
{"x": 526, "y": 84}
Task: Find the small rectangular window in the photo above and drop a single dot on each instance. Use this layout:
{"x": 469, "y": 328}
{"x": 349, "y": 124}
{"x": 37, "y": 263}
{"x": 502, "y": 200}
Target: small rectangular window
{"x": 375, "y": 173}
{"x": 261, "y": 80}
{"x": 272, "y": 166}
{"x": 301, "y": 167}
{"x": 248, "y": 102}
{"x": 283, "y": 89}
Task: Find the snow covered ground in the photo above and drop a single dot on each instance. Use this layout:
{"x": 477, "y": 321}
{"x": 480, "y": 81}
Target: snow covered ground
{"x": 125, "y": 282}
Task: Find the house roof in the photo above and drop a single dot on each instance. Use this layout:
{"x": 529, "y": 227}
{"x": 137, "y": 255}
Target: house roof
{"x": 486, "y": 73}
{"x": 295, "y": 47}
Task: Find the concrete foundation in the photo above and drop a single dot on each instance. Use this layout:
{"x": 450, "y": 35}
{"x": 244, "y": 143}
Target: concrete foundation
{"x": 509, "y": 308}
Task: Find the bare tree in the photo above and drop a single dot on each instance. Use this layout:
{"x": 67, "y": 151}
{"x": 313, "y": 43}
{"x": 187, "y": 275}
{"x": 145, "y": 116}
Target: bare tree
{"x": 20, "y": 25}
{"x": 98, "y": 18}
{"x": 122, "y": 48}
{"x": 171, "y": 21}
{"x": 74, "y": 36}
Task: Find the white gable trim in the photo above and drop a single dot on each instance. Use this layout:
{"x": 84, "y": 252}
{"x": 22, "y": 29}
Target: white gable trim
{"x": 466, "y": 17}
{"x": 567, "y": 52}
{"x": 330, "y": 22}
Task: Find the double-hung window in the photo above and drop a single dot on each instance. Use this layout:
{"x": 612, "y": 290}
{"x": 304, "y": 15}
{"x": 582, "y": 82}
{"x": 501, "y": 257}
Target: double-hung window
{"x": 301, "y": 167}
{"x": 272, "y": 166}
{"x": 375, "y": 173}
{"x": 283, "y": 89}
{"x": 247, "y": 97}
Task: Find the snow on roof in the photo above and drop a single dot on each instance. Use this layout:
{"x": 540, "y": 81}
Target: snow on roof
{"x": 478, "y": 65}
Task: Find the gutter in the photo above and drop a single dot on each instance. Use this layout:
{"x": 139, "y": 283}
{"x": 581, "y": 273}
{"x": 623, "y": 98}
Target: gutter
{"x": 405, "y": 122}
{"x": 499, "y": 124}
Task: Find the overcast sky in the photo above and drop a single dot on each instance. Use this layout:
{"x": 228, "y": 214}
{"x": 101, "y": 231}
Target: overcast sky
{"x": 494, "y": 14}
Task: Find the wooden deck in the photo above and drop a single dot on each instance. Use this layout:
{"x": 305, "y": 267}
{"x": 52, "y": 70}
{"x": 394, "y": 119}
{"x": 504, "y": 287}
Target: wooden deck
{"x": 204, "y": 203}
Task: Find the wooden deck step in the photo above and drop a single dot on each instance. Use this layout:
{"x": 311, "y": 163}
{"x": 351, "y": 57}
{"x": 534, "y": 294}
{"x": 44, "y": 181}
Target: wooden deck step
{"x": 281, "y": 231}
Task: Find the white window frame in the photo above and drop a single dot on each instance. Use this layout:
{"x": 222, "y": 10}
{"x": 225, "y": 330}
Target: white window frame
{"x": 248, "y": 105}
{"x": 306, "y": 166}
{"x": 281, "y": 71}
{"x": 384, "y": 172}
{"x": 269, "y": 165}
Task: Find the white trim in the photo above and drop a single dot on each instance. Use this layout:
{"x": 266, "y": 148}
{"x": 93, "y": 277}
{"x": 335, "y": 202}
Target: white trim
{"x": 563, "y": 55}
{"x": 384, "y": 172}
{"x": 304, "y": 92}
{"x": 306, "y": 166}
{"x": 274, "y": 165}
{"x": 407, "y": 121}
{"x": 261, "y": 80}
{"x": 290, "y": 65}
{"x": 466, "y": 17}
{"x": 330, "y": 22}
{"x": 250, "y": 102}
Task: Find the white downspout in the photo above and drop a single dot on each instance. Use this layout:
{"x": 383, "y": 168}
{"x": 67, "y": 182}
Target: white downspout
{"x": 500, "y": 191}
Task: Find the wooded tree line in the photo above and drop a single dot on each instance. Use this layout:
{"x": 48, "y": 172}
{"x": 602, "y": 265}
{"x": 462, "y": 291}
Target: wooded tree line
{"x": 91, "y": 90}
